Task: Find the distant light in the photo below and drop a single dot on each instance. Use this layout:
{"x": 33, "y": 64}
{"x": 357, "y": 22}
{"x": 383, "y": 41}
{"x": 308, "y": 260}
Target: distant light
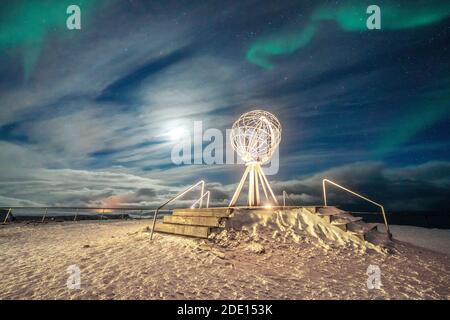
{"x": 268, "y": 206}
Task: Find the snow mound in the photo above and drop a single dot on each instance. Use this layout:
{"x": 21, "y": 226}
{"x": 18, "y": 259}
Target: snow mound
{"x": 291, "y": 225}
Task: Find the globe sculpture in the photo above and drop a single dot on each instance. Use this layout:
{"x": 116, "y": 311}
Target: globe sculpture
{"x": 255, "y": 136}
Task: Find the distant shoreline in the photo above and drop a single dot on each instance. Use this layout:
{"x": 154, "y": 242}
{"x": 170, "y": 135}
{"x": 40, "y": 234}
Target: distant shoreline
{"x": 425, "y": 219}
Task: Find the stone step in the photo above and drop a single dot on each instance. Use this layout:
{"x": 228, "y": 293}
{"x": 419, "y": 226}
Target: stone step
{"x": 330, "y": 210}
{"x": 326, "y": 216}
{"x": 361, "y": 229}
{"x": 185, "y": 230}
{"x": 347, "y": 217}
{"x": 204, "y": 212}
{"x": 194, "y": 221}
{"x": 340, "y": 223}
{"x": 312, "y": 209}
{"x": 339, "y": 220}
{"x": 345, "y": 221}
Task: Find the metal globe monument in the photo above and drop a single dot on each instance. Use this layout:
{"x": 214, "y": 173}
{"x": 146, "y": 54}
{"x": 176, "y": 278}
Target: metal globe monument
{"x": 255, "y": 137}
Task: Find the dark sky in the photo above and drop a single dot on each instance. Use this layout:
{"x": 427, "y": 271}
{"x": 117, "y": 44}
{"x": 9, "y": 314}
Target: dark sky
{"x": 90, "y": 116}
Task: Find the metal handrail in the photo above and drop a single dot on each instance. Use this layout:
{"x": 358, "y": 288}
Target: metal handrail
{"x": 286, "y": 195}
{"x": 81, "y": 208}
{"x": 202, "y": 182}
{"x": 7, "y": 216}
{"x": 101, "y": 210}
{"x": 358, "y": 195}
{"x": 207, "y": 193}
{"x": 45, "y": 214}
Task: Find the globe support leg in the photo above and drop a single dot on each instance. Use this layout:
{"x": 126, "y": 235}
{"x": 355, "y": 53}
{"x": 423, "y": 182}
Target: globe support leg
{"x": 253, "y": 190}
{"x": 255, "y": 176}
{"x": 239, "y": 188}
{"x": 263, "y": 176}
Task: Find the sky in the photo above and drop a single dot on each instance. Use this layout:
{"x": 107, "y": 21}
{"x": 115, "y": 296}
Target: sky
{"x": 90, "y": 117}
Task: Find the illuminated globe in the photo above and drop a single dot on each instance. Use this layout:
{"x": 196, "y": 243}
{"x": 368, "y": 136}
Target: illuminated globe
{"x": 256, "y": 135}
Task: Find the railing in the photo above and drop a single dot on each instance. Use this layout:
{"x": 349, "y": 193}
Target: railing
{"x": 7, "y": 216}
{"x": 99, "y": 211}
{"x": 358, "y": 195}
{"x": 286, "y": 196}
{"x": 201, "y": 182}
{"x": 207, "y": 193}
{"x": 45, "y": 213}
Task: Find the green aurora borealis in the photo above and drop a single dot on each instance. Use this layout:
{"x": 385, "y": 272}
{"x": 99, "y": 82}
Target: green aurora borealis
{"x": 88, "y": 115}
{"x": 351, "y": 16}
{"x": 26, "y": 25}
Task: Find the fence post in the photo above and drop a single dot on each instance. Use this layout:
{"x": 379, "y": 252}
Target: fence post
{"x": 101, "y": 216}
{"x": 45, "y": 213}
{"x": 76, "y": 214}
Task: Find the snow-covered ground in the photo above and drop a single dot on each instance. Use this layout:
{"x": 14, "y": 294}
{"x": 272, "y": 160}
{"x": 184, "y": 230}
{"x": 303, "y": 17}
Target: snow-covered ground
{"x": 117, "y": 261}
{"x": 433, "y": 239}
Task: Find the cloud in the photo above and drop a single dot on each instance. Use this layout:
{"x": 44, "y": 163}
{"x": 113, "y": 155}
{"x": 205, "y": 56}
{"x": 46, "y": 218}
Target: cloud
{"x": 68, "y": 187}
{"x": 414, "y": 188}
{"x": 421, "y": 187}
{"x": 91, "y": 124}
{"x": 120, "y": 90}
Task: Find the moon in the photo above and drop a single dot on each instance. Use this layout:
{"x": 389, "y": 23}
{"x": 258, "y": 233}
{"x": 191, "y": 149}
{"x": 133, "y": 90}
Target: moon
{"x": 177, "y": 134}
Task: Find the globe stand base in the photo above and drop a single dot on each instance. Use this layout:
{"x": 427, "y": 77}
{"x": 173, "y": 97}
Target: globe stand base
{"x": 256, "y": 177}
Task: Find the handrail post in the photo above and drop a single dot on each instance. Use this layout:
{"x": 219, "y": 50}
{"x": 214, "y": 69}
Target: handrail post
{"x": 202, "y": 193}
{"x": 207, "y": 193}
{"x": 7, "y": 216}
{"x": 389, "y": 234}
{"x": 202, "y": 182}
{"x": 43, "y": 217}
{"x": 287, "y": 197}
{"x": 101, "y": 216}
{"x": 154, "y": 222}
{"x": 385, "y": 222}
